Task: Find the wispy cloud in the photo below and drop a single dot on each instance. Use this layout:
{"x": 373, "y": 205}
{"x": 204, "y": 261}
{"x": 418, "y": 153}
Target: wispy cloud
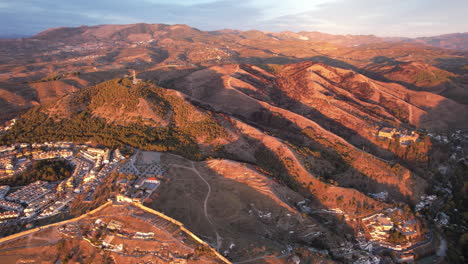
{"x": 381, "y": 17}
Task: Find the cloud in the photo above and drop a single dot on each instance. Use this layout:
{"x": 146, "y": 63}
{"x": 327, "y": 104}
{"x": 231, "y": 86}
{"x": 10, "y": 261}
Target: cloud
{"x": 276, "y": 8}
{"x": 381, "y": 17}
{"x": 32, "y": 16}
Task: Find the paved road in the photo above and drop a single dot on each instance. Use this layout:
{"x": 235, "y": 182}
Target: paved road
{"x": 132, "y": 162}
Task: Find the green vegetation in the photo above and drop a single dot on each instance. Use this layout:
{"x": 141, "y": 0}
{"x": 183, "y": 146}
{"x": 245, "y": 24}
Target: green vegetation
{"x": 396, "y": 110}
{"x": 271, "y": 68}
{"x": 102, "y": 193}
{"x": 396, "y": 237}
{"x": 361, "y": 89}
{"x": 187, "y": 124}
{"x": 415, "y": 153}
{"x": 204, "y": 251}
{"x": 280, "y": 169}
{"x": 309, "y": 156}
{"x": 43, "y": 170}
{"x": 56, "y": 77}
{"x": 457, "y": 237}
{"x": 427, "y": 78}
{"x": 36, "y": 126}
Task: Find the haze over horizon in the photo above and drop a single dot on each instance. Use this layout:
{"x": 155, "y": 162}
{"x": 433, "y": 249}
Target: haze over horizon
{"x": 411, "y": 18}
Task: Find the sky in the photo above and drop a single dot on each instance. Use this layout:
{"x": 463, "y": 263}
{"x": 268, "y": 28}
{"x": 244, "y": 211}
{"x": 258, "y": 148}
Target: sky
{"x": 405, "y": 18}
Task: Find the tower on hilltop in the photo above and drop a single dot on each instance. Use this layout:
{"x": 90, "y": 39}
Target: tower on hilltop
{"x": 135, "y": 80}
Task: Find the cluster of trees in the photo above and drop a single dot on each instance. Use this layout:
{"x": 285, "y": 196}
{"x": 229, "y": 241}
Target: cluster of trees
{"x": 102, "y": 193}
{"x": 57, "y": 77}
{"x": 43, "y": 170}
{"x": 276, "y": 167}
{"x": 36, "y": 126}
{"x": 396, "y": 237}
{"x": 416, "y": 153}
{"x": 330, "y": 162}
{"x": 430, "y": 78}
{"x": 458, "y": 237}
{"x": 190, "y": 120}
{"x": 112, "y": 94}
{"x": 361, "y": 89}
{"x": 396, "y": 110}
{"x": 204, "y": 251}
{"x": 180, "y": 136}
{"x": 187, "y": 123}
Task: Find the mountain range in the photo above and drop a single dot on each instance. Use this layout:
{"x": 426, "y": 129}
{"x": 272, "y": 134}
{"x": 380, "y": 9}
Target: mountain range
{"x": 301, "y": 112}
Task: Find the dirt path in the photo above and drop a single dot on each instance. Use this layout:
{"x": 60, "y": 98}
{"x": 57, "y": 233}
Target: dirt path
{"x": 132, "y": 162}
{"x": 219, "y": 239}
{"x": 317, "y": 125}
{"x": 410, "y": 105}
{"x": 29, "y": 246}
{"x": 230, "y": 76}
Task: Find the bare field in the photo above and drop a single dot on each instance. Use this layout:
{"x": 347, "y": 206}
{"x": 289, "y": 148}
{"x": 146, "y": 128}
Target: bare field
{"x": 84, "y": 240}
{"x": 237, "y": 210}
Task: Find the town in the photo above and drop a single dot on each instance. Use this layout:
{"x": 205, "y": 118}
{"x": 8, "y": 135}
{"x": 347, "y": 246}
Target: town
{"x": 91, "y": 167}
{"x": 43, "y": 199}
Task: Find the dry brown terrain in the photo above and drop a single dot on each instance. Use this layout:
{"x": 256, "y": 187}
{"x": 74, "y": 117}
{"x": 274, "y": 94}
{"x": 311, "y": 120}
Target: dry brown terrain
{"x": 72, "y": 241}
{"x": 100, "y": 53}
{"x": 261, "y": 121}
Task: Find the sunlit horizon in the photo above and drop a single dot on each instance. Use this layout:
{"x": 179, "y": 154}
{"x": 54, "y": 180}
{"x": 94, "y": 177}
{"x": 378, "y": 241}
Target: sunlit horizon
{"x": 412, "y": 18}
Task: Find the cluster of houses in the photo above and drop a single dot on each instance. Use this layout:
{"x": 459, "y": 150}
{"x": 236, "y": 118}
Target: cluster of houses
{"x": 105, "y": 240}
{"x": 96, "y": 165}
{"x": 405, "y": 137}
{"x": 7, "y": 126}
{"x": 9, "y": 215}
{"x": 56, "y": 206}
{"x": 34, "y": 196}
{"x": 16, "y": 158}
{"x": 6, "y": 166}
{"x": 144, "y": 185}
{"x": 137, "y": 190}
{"x": 426, "y": 201}
{"x": 33, "y": 208}
{"x": 42, "y": 199}
{"x": 30, "y": 193}
{"x": 110, "y": 235}
{"x": 53, "y": 154}
{"x": 10, "y": 206}
{"x": 379, "y": 226}
{"x": 4, "y": 190}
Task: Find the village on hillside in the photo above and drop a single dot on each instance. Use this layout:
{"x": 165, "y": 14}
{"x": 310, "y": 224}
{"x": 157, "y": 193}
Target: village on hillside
{"x": 91, "y": 167}
{"x": 404, "y": 136}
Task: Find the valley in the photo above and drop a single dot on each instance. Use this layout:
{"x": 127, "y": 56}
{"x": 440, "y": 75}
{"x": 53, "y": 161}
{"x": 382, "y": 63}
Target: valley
{"x": 270, "y": 147}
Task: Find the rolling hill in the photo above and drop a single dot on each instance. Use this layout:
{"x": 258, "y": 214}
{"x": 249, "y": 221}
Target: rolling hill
{"x": 263, "y": 123}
